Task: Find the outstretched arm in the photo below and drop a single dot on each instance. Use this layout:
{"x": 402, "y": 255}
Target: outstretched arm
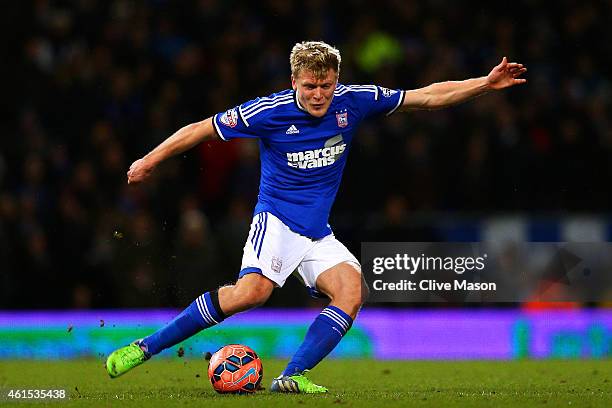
{"x": 443, "y": 94}
{"x": 183, "y": 139}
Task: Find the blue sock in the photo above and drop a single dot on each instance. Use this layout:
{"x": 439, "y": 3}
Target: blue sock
{"x": 201, "y": 314}
{"x": 322, "y": 336}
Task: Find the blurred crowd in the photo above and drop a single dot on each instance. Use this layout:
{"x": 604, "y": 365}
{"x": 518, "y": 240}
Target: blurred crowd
{"x": 90, "y": 86}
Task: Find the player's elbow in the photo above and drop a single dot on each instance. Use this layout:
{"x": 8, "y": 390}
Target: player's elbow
{"x": 420, "y": 99}
{"x": 433, "y": 100}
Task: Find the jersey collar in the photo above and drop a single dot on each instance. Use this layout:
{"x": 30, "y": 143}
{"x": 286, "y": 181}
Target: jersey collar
{"x": 297, "y": 101}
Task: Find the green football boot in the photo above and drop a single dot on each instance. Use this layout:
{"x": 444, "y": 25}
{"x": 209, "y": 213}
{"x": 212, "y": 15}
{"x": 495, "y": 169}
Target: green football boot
{"x": 124, "y": 359}
{"x": 296, "y": 383}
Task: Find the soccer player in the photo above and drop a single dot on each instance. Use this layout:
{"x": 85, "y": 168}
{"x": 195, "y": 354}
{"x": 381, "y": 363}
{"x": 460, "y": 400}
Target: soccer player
{"x": 305, "y": 134}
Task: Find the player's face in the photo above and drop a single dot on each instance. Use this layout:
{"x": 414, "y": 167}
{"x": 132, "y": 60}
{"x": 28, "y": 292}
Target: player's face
{"x": 315, "y": 95}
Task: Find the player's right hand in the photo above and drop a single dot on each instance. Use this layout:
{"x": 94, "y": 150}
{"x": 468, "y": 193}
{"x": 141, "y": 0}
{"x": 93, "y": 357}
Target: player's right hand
{"x": 139, "y": 171}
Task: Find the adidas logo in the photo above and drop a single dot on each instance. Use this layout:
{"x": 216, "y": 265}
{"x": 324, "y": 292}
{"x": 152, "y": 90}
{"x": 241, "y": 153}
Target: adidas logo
{"x": 292, "y": 130}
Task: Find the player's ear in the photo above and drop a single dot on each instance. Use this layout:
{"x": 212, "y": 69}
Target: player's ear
{"x": 293, "y": 84}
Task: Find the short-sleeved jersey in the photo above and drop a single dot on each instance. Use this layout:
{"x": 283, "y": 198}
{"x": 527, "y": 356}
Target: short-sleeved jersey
{"x": 302, "y": 156}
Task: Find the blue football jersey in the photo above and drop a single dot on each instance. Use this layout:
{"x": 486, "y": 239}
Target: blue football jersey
{"x": 302, "y": 156}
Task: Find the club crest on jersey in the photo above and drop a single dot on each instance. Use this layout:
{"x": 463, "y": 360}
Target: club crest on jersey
{"x": 276, "y": 264}
{"x": 230, "y": 118}
{"x": 342, "y": 119}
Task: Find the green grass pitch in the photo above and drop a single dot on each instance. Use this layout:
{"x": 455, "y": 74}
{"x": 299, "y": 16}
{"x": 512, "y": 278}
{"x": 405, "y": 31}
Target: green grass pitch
{"x": 352, "y": 383}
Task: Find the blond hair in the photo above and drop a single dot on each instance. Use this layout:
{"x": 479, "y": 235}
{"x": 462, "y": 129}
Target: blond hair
{"x": 315, "y": 56}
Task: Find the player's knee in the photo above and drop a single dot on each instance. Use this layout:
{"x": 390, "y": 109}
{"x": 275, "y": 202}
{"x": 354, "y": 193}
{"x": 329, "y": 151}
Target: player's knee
{"x": 356, "y": 293}
{"x": 351, "y": 299}
{"x": 254, "y": 296}
{"x": 253, "y": 290}
{"x": 346, "y": 288}
{"x": 248, "y": 292}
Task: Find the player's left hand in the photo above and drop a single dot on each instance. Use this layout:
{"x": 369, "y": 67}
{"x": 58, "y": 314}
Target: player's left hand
{"x": 506, "y": 74}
